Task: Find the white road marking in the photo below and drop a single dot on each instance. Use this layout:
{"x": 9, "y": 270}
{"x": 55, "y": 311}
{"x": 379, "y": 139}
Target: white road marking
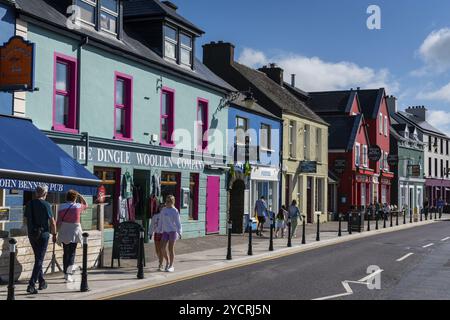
{"x": 445, "y": 239}
{"x": 404, "y": 257}
{"x": 428, "y": 245}
{"x": 348, "y": 289}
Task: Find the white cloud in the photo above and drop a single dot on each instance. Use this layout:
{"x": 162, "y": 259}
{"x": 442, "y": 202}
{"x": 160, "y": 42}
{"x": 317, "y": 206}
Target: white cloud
{"x": 314, "y": 74}
{"x": 435, "y": 50}
{"x": 442, "y": 94}
{"x": 440, "y": 119}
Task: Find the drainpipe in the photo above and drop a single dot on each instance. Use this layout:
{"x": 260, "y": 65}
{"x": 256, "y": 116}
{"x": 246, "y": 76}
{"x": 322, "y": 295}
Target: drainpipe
{"x": 85, "y": 135}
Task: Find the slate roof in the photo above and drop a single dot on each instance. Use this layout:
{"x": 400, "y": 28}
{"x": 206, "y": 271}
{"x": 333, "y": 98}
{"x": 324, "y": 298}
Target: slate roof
{"x": 342, "y": 131}
{"x": 276, "y": 93}
{"x": 332, "y": 102}
{"x": 255, "y": 107}
{"x": 53, "y": 12}
{"x": 402, "y": 117}
{"x": 155, "y": 8}
{"x": 370, "y": 101}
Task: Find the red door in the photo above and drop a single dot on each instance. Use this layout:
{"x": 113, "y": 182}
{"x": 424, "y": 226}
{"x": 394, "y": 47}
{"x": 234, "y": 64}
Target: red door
{"x": 212, "y": 204}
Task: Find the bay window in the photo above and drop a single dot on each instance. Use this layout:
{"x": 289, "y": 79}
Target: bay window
{"x": 167, "y": 117}
{"x": 122, "y": 106}
{"x": 65, "y": 94}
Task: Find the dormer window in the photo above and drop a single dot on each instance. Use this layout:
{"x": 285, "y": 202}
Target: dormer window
{"x": 178, "y": 46}
{"x": 108, "y": 19}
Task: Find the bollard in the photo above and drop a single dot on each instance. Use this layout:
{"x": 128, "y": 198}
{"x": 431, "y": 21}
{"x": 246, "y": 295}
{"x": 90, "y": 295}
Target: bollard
{"x": 12, "y": 257}
{"x": 369, "y": 213}
{"x": 350, "y": 216}
{"x": 410, "y": 216}
{"x": 421, "y": 215}
{"x": 289, "y": 244}
{"x": 376, "y": 219}
{"x": 84, "y": 281}
{"x": 390, "y": 214}
{"x": 271, "y": 234}
{"x": 230, "y": 229}
{"x": 404, "y": 216}
{"x": 396, "y": 219}
{"x": 359, "y": 222}
{"x": 340, "y": 223}
{"x": 318, "y": 228}
{"x": 250, "y": 235}
{"x": 384, "y": 219}
{"x": 304, "y": 230}
{"x": 140, "y": 273}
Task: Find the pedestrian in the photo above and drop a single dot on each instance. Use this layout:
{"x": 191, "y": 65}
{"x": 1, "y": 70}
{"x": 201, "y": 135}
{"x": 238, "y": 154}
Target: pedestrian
{"x": 281, "y": 222}
{"x": 294, "y": 215}
{"x": 69, "y": 230}
{"x": 156, "y": 234}
{"x": 261, "y": 214}
{"x": 171, "y": 228}
{"x": 40, "y": 223}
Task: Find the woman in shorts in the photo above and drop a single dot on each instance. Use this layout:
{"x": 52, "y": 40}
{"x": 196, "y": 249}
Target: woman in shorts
{"x": 171, "y": 231}
{"x": 156, "y": 231}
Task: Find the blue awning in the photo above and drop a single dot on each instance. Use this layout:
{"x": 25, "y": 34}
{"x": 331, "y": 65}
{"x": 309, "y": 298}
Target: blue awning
{"x": 29, "y": 158}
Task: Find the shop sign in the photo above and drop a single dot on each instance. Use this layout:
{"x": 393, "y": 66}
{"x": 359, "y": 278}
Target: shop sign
{"x": 340, "y": 165}
{"x": 374, "y": 153}
{"x": 4, "y": 214}
{"x": 101, "y": 195}
{"x": 126, "y": 240}
{"x": 308, "y": 167}
{"x": 415, "y": 171}
{"x": 121, "y": 157}
{"x": 17, "y": 65}
{"x": 29, "y": 185}
{"x": 266, "y": 174}
{"x": 392, "y": 160}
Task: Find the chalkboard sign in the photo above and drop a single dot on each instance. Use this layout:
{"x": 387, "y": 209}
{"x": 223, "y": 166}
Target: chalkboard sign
{"x": 126, "y": 241}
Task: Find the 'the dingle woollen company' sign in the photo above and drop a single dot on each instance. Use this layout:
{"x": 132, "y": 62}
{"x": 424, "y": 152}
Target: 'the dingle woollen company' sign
{"x": 17, "y": 65}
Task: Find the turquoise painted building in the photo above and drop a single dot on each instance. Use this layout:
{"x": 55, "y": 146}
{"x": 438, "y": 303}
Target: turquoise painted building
{"x": 120, "y": 89}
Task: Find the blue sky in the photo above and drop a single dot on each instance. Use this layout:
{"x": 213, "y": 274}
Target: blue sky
{"x": 328, "y": 45}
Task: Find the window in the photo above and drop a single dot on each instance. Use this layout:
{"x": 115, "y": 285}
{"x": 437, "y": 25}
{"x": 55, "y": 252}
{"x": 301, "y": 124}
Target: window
{"x": 442, "y": 146}
{"x": 436, "y": 167}
{"x": 110, "y": 179}
{"x": 109, "y": 15}
{"x": 319, "y": 145}
{"x": 357, "y": 155}
{"x": 241, "y": 130}
{"x": 319, "y": 195}
{"x": 430, "y": 143}
{"x": 170, "y": 186}
{"x": 364, "y": 155}
{"x": 167, "y": 117}
{"x": 363, "y": 195}
{"x": 265, "y": 137}
{"x": 385, "y": 126}
{"x": 202, "y": 125}
{"x": 170, "y": 42}
{"x": 430, "y": 169}
{"x": 193, "y": 196}
{"x": 306, "y": 141}
{"x": 446, "y": 169}
{"x": 123, "y": 106}
{"x": 442, "y": 168}
{"x": 381, "y": 123}
{"x": 292, "y": 139}
{"x": 186, "y": 49}
{"x": 65, "y": 94}
{"x": 446, "y": 148}
{"x": 88, "y": 11}
{"x": 386, "y": 165}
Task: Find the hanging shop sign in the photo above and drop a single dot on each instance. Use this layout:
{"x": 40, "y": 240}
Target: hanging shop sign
{"x": 101, "y": 195}
{"x": 392, "y": 160}
{"x": 340, "y": 165}
{"x": 308, "y": 166}
{"x": 415, "y": 171}
{"x": 374, "y": 153}
{"x": 17, "y": 65}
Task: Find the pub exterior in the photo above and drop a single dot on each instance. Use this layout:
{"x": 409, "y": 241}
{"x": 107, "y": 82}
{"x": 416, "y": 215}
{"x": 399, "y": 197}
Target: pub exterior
{"x": 145, "y": 121}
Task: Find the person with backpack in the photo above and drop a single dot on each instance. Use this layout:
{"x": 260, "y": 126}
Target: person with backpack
{"x": 40, "y": 223}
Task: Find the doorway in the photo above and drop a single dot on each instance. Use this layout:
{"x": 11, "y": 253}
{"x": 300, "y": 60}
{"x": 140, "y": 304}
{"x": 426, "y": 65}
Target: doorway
{"x": 237, "y": 206}
{"x": 142, "y": 180}
{"x": 213, "y": 205}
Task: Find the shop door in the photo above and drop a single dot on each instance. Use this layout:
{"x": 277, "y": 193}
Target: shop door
{"x": 237, "y": 206}
{"x": 309, "y": 200}
{"x": 212, "y": 204}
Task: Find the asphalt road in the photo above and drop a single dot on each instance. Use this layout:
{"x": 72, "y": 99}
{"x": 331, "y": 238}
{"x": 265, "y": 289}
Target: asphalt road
{"x": 422, "y": 272}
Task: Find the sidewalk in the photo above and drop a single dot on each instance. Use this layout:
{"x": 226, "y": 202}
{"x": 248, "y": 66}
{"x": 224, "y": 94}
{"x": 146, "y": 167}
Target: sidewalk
{"x": 195, "y": 257}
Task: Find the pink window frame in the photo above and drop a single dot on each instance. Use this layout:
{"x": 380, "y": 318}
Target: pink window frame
{"x": 128, "y": 106}
{"x": 205, "y": 123}
{"x": 170, "y": 116}
{"x": 72, "y": 64}
{"x": 196, "y": 195}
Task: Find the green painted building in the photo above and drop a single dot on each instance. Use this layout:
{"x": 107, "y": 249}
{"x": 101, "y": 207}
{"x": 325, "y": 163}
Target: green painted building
{"x": 119, "y": 89}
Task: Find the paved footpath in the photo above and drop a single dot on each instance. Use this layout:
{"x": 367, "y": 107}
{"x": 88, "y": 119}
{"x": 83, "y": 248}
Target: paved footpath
{"x": 196, "y": 257}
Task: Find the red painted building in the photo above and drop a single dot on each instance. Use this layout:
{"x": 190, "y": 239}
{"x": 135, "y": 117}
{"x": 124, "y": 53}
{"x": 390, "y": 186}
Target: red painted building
{"x": 359, "y": 119}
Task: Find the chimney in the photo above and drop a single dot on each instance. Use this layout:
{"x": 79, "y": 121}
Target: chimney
{"x": 293, "y": 80}
{"x": 419, "y": 111}
{"x": 216, "y": 56}
{"x": 391, "y": 102}
{"x": 274, "y": 72}
{"x": 171, "y": 5}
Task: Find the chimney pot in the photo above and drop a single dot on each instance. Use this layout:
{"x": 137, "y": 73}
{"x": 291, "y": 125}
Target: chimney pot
{"x": 293, "y": 80}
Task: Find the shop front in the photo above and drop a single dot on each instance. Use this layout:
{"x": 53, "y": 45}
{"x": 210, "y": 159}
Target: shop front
{"x": 137, "y": 178}
{"x": 264, "y": 181}
{"x": 437, "y": 189}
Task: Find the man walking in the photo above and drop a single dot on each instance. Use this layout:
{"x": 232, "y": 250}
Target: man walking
{"x": 40, "y": 223}
{"x": 261, "y": 213}
{"x": 294, "y": 214}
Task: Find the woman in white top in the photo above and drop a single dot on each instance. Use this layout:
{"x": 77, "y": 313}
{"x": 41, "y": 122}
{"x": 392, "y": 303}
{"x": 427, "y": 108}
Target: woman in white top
{"x": 171, "y": 228}
{"x": 156, "y": 231}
